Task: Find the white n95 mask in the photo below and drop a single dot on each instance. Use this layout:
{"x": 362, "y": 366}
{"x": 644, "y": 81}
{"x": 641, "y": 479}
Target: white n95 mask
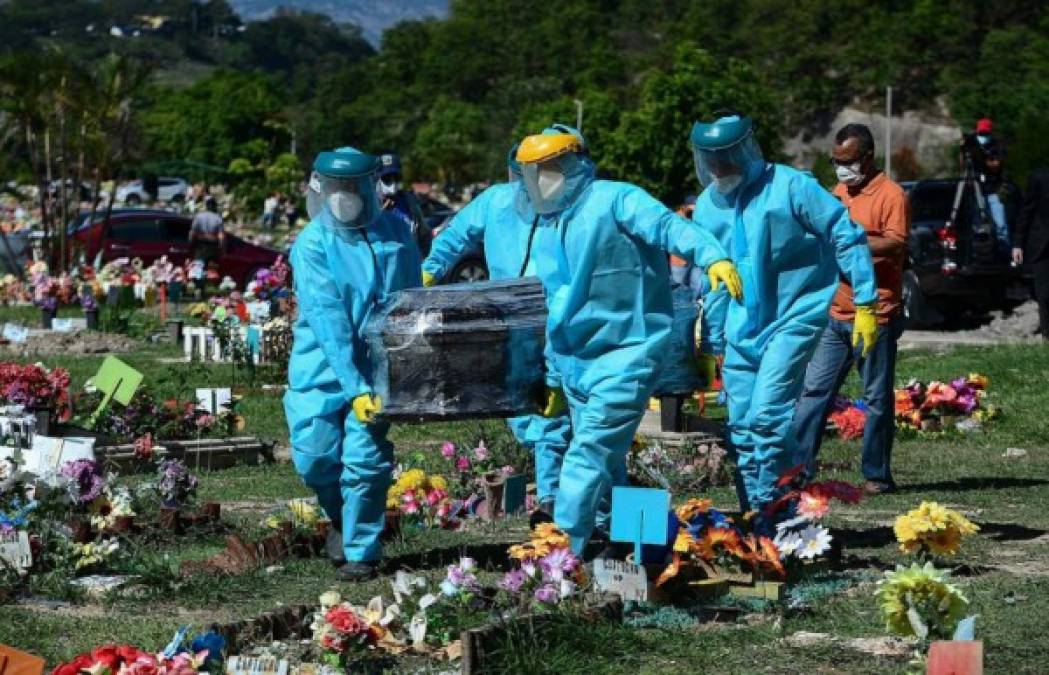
{"x": 345, "y": 206}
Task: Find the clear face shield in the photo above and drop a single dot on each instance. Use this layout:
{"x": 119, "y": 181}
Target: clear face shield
{"x": 725, "y": 168}
{"x": 547, "y": 182}
{"x": 349, "y": 201}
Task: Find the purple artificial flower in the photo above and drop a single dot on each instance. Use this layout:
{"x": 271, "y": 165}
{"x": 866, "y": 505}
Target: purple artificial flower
{"x": 176, "y": 484}
{"x": 481, "y": 452}
{"x": 513, "y": 581}
{"x": 85, "y": 480}
{"x": 547, "y": 594}
{"x": 447, "y": 450}
{"x": 557, "y": 563}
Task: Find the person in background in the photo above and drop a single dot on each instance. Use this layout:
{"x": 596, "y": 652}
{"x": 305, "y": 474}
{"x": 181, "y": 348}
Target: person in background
{"x": 682, "y": 273}
{"x": 1002, "y": 194}
{"x": 881, "y": 207}
{"x": 1031, "y": 243}
{"x": 601, "y": 252}
{"x": 345, "y": 262}
{"x": 790, "y": 241}
{"x": 269, "y": 210}
{"x": 402, "y": 203}
{"x": 207, "y": 235}
{"x": 503, "y": 221}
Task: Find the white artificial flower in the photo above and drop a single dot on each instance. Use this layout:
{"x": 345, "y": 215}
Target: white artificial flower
{"x": 815, "y": 540}
{"x": 330, "y": 599}
{"x": 787, "y": 542}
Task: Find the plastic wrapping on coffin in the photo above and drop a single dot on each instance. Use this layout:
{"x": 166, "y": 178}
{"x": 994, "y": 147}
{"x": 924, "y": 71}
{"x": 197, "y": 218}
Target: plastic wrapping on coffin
{"x": 459, "y": 351}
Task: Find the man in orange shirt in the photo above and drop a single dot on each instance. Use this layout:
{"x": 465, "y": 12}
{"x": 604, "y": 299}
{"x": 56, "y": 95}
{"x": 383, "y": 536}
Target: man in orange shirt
{"x": 880, "y": 206}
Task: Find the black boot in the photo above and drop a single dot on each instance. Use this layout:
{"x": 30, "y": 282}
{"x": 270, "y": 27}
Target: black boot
{"x": 356, "y": 571}
{"x": 543, "y": 514}
{"x": 333, "y": 546}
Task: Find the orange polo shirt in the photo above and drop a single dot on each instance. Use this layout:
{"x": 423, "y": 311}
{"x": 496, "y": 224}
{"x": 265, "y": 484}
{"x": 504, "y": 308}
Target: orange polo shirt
{"x": 883, "y": 210}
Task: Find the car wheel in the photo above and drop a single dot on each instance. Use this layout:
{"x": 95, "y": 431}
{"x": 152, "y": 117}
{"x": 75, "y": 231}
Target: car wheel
{"x": 133, "y": 200}
{"x": 468, "y": 271}
{"x": 916, "y": 310}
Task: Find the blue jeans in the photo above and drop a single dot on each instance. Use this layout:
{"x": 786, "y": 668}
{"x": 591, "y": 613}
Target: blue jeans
{"x": 824, "y": 376}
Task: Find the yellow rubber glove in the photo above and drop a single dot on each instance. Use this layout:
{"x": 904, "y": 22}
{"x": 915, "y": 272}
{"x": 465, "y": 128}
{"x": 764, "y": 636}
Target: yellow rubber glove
{"x": 708, "y": 368}
{"x": 555, "y": 402}
{"x": 366, "y": 407}
{"x": 723, "y": 271}
{"x": 429, "y": 279}
{"x": 865, "y": 327}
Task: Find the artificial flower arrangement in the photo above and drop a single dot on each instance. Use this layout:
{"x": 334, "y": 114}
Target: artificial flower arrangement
{"x": 548, "y": 571}
{"x": 935, "y": 406}
{"x": 35, "y": 386}
{"x": 849, "y": 417}
{"x": 420, "y": 499}
{"x": 710, "y": 544}
{"x": 302, "y": 514}
{"x": 203, "y": 653}
{"x": 120, "y": 272}
{"x": 44, "y": 286}
{"x": 170, "y": 420}
{"x": 271, "y": 283}
{"x": 685, "y": 469}
{"x": 932, "y": 529}
{"x": 12, "y": 290}
{"x": 921, "y": 602}
{"x": 176, "y": 485}
{"x": 802, "y": 537}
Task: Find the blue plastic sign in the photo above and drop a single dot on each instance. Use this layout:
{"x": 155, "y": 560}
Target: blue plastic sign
{"x": 639, "y": 516}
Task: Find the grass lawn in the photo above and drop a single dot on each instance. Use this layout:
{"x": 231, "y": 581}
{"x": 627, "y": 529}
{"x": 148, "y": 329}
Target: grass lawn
{"x": 1009, "y": 560}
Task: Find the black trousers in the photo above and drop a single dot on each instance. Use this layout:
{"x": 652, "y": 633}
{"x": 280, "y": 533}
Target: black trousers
{"x": 1041, "y": 293}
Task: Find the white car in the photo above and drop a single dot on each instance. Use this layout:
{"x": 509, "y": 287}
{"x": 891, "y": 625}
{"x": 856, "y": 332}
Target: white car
{"x": 171, "y": 190}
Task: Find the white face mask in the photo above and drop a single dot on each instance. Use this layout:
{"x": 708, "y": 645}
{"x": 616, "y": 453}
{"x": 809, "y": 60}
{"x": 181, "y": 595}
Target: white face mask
{"x": 387, "y": 190}
{"x": 551, "y": 184}
{"x": 726, "y": 184}
{"x": 849, "y": 174}
{"x": 345, "y": 206}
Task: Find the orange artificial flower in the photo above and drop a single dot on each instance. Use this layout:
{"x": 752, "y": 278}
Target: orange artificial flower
{"x": 718, "y": 541}
{"x": 692, "y": 508}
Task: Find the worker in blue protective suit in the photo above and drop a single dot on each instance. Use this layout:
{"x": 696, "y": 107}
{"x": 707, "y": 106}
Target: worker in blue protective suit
{"x": 502, "y": 219}
{"x": 601, "y": 253}
{"x": 345, "y": 262}
{"x": 789, "y": 238}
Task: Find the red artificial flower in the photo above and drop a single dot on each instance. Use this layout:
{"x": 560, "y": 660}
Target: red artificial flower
{"x": 850, "y": 422}
{"x": 107, "y": 656}
{"x": 145, "y": 664}
{"x": 344, "y": 620}
{"x": 813, "y": 504}
{"x": 840, "y": 490}
{"x": 81, "y": 662}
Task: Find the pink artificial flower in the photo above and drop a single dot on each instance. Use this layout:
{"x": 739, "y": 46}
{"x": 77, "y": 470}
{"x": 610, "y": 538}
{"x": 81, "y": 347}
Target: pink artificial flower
{"x": 435, "y": 496}
{"x": 410, "y": 505}
{"x": 447, "y": 449}
{"x": 181, "y": 664}
{"x": 508, "y": 470}
{"x": 463, "y": 463}
{"x": 143, "y": 665}
{"x": 481, "y": 452}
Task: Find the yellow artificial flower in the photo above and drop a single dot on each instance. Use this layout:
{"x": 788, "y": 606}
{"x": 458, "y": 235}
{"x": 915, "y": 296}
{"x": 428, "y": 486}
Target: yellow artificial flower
{"x": 918, "y": 596}
{"x": 684, "y": 542}
{"x": 438, "y": 483}
{"x": 933, "y": 527}
{"x": 303, "y": 512}
{"x": 412, "y": 479}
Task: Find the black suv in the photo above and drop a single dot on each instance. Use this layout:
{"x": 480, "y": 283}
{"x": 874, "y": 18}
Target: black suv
{"x": 954, "y": 270}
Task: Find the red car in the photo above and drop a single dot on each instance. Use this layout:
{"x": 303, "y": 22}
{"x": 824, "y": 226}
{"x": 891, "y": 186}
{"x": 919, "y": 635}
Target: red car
{"x": 149, "y": 234}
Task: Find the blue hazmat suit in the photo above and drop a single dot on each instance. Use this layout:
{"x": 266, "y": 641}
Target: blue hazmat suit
{"x": 603, "y": 263}
{"x": 340, "y": 275}
{"x": 493, "y": 219}
{"x": 788, "y": 238}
